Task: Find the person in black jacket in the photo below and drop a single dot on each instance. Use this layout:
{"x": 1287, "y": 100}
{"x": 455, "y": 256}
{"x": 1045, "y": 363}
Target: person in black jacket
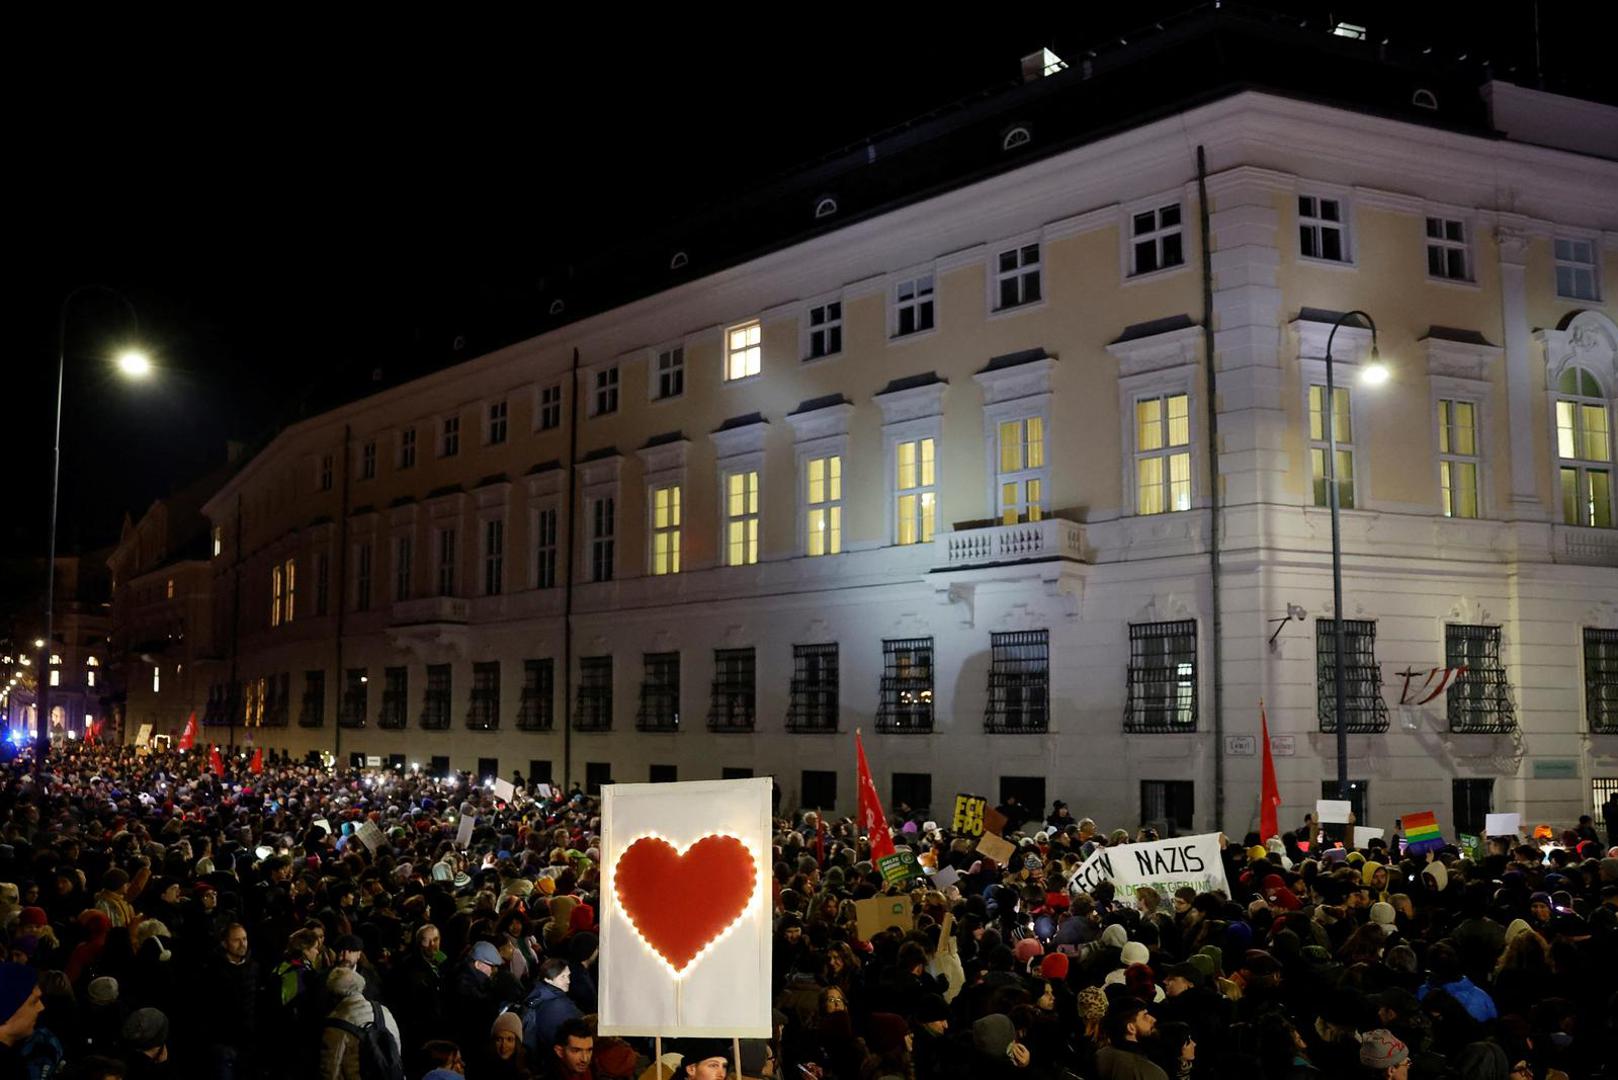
{"x": 229, "y": 1008}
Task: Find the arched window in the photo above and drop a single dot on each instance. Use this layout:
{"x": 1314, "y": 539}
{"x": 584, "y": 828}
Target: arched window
{"x": 826, "y": 207}
{"x": 1017, "y": 136}
{"x": 680, "y": 261}
{"x": 557, "y": 306}
{"x": 1424, "y": 99}
{"x": 1583, "y": 449}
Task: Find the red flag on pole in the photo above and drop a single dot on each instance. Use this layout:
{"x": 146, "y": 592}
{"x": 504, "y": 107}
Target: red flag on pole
{"x": 871, "y": 815}
{"x": 1270, "y": 798}
{"x": 215, "y": 762}
{"x": 188, "y": 738}
{"x": 256, "y": 766}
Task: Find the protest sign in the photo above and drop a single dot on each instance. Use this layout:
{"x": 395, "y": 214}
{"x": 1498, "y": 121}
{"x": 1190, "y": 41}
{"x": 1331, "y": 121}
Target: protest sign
{"x": 504, "y": 790}
{"x": 899, "y": 867}
{"x": 994, "y": 821}
{"x": 1165, "y": 865}
{"x": 993, "y": 847}
{"x": 685, "y": 914}
{"x": 1471, "y": 846}
{"x": 543, "y": 791}
{"x": 945, "y": 878}
{"x": 968, "y": 819}
{"x": 1333, "y": 811}
{"x": 143, "y": 737}
{"x": 1502, "y": 824}
{"x": 877, "y": 914}
{"x": 370, "y": 836}
{"x": 324, "y": 824}
{"x": 463, "y": 832}
{"x": 1364, "y": 834}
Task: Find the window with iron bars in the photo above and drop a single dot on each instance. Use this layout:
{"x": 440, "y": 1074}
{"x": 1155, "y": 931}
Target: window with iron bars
{"x": 593, "y": 708}
{"x": 313, "y": 712}
{"x": 905, "y": 703}
{"x": 1019, "y": 682}
{"x": 483, "y": 712}
{"x": 1601, "y": 680}
{"x": 352, "y": 714}
{"x": 660, "y": 693}
{"x": 435, "y": 699}
{"x": 537, "y": 711}
{"x": 1362, "y": 677}
{"x": 735, "y": 691}
{"x": 395, "y": 698}
{"x": 814, "y": 688}
{"x": 1162, "y": 693}
{"x": 1480, "y": 697}
{"x": 1602, "y": 788}
{"x": 279, "y": 701}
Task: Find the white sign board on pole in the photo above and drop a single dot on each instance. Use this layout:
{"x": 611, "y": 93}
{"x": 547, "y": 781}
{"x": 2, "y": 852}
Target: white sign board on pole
{"x": 1333, "y": 811}
{"x": 685, "y": 909}
{"x": 1165, "y": 865}
{"x": 1502, "y": 824}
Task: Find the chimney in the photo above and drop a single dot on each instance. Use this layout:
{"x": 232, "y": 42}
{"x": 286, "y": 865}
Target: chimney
{"x": 1041, "y": 64}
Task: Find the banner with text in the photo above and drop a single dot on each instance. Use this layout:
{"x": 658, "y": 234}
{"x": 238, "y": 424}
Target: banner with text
{"x": 1165, "y": 865}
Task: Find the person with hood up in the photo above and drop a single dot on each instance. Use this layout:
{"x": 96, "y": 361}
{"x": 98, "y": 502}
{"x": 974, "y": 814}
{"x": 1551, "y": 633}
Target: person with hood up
{"x": 1444, "y": 973}
{"x": 343, "y": 1027}
{"x": 21, "y": 1004}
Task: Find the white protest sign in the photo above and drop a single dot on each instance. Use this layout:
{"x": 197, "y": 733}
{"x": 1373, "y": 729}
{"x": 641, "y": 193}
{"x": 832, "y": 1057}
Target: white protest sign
{"x": 370, "y": 836}
{"x": 143, "y": 737}
{"x": 543, "y": 790}
{"x": 463, "y": 834}
{"x": 1502, "y": 824}
{"x": 685, "y": 909}
{"x": 1165, "y": 865}
{"x": 1364, "y": 834}
{"x": 324, "y": 824}
{"x": 504, "y": 790}
{"x": 1333, "y": 811}
{"x": 945, "y": 878}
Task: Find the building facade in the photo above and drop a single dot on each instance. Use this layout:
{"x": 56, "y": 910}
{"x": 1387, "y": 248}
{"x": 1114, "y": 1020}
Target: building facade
{"x": 963, "y": 475}
{"x": 80, "y": 693}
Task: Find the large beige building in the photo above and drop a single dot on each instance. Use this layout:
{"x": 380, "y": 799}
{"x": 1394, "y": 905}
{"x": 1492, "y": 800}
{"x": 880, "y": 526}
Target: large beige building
{"x": 948, "y": 470}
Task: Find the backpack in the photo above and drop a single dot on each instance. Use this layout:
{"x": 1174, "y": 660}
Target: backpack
{"x": 379, "y": 1051}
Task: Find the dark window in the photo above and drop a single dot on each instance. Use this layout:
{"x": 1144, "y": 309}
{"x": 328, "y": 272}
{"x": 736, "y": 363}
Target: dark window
{"x": 1171, "y": 805}
{"x": 1362, "y": 677}
{"x": 322, "y": 582}
{"x": 1474, "y": 800}
{"x": 537, "y": 710}
{"x": 550, "y": 408}
{"x": 368, "y": 461}
{"x": 450, "y": 444}
{"x": 603, "y": 537}
{"x": 913, "y": 789}
{"x": 356, "y": 759}
{"x": 396, "y": 762}
{"x": 606, "y": 391}
{"x": 497, "y": 422}
{"x": 1162, "y": 677}
{"x": 818, "y": 790}
{"x": 313, "y": 713}
{"x": 731, "y": 772}
{"x": 671, "y": 372}
{"x": 814, "y": 688}
{"x": 325, "y": 472}
{"x": 1017, "y": 274}
{"x": 407, "y": 448}
{"x": 663, "y": 774}
{"x": 825, "y": 329}
{"x": 395, "y": 698}
{"x": 362, "y": 577}
{"x": 1359, "y": 796}
{"x": 446, "y": 562}
{"x": 435, "y": 702}
{"x": 483, "y": 712}
{"x": 438, "y": 765}
{"x": 494, "y": 557}
{"x": 734, "y": 691}
{"x": 1480, "y": 697}
{"x": 545, "y": 550}
{"x": 1601, "y": 680}
{"x": 1019, "y": 682}
{"x": 596, "y": 773}
{"x": 905, "y": 704}
{"x": 539, "y": 771}
{"x": 488, "y": 768}
{"x": 594, "y": 706}
{"x": 278, "y": 700}
{"x": 660, "y": 693}
{"x": 1030, "y": 792}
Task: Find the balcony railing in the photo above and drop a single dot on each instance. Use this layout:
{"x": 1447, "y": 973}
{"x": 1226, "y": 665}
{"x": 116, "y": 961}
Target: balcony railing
{"x": 1052, "y": 538}
{"x": 430, "y": 609}
{"x": 1585, "y": 546}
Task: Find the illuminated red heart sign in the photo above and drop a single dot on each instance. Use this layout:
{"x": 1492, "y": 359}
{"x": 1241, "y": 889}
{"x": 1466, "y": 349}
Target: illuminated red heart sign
{"x": 681, "y": 901}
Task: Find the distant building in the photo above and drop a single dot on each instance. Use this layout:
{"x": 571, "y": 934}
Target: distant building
{"x": 79, "y": 692}
{"x": 924, "y": 443}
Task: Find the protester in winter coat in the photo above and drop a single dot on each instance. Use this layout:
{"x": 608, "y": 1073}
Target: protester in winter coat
{"x": 339, "y": 1047}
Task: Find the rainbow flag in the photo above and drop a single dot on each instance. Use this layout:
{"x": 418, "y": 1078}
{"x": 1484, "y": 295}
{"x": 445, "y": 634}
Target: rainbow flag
{"x": 1421, "y": 831}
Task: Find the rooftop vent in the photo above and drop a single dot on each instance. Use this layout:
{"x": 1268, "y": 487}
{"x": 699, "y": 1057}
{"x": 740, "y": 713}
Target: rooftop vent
{"x": 1041, "y": 64}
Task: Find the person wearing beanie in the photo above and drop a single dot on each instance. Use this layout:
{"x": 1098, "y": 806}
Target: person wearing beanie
{"x": 933, "y": 1052}
{"x": 1053, "y": 968}
{"x": 1027, "y": 950}
{"x": 1385, "y": 1055}
{"x": 146, "y": 1037}
{"x": 20, "y": 1005}
{"x": 507, "y": 1057}
{"x": 889, "y": 1040}
{"x": 615, "y": 1059}
{"x": 345, "y": 1023}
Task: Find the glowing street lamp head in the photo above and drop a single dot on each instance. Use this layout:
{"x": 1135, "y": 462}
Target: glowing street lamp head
{"x": 134, "y": 363}
{"x": 1375, "y": 373}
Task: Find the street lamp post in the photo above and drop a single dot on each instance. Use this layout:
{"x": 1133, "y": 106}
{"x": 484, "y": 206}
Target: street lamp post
{"x": 132, "y": 363}
{"x": 1375, "y": 373}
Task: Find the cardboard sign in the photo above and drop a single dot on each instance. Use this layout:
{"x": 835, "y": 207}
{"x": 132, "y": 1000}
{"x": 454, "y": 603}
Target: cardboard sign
{"x": 373, "y": 761}
{"x": 1364, "y": 834}
{"x": 1502, "y": 824}
{"x": 879, "y": 913}
{"x": 945, "y": 878}
{"x": 1165, "y": 865}
{"x": 504, "y": 790}
{"x": 324, "y": 824}
{"x": 143, "y": 737}
{"x": 899, "y": 867}
{"x": 463, "y": 833}
{"x": 968, "y": 819}
{"x": 993, "y": 847}
{"x": 994, "y": 821}
{"x": 370, "y": 836}
{"x": 1333, "y": 811}
{"x": 544, "y": 791}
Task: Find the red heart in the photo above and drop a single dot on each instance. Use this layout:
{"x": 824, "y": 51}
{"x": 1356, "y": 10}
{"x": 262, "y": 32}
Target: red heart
{"x": 679, "y": 902}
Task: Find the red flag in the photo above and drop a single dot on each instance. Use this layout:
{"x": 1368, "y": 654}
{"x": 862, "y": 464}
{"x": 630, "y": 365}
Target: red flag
{"x": 1269, "y": 799}
{"x": 215, "y": 762}
{"x": 188, "y": 738}
{"x": 89, "y": 733}
{"x": 871, "y": 815}
{"x": 256, "y": 766}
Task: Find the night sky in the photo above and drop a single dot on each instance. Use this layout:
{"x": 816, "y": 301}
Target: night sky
{"x": 288, "y": 206}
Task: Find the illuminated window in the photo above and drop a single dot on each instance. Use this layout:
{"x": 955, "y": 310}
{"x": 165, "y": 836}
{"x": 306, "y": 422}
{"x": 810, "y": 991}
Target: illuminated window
{"x": 1016, "y": 276}
{"x": 1322, "y": 233}
{"x": 671, "y": 372}
{"x": 666, "y": 529}
{"x": 1583, "y": 449}
{"x": 218, "y": 540}
{"x": 1458, "y": 457}
{"x": 1448, "y": 252}
{"x": 1163, "y": 454}
{"x": 275, "y": 595}
{"x": 741, "y": 517}
{"x": 168, "y": 589}
{"x": 157, "y": 678}
{"x": 913, "y": 305}
{"x": 1022, "y": 476}
{"x": 290, "y": 608}
{"x": 916, "y": 483}
{"x": 56, "y": 678}
{"x": 823, "y": 499}
{"x": 1343, "y": 431}
{"x": 744, "y": 351}
{"x": 1156, "y": 240}
{"x": 1577, "y": 269}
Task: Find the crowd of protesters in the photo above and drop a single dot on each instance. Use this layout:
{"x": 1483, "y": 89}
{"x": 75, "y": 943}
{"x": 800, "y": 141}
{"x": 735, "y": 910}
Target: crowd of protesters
{"x": 162, "y": 920}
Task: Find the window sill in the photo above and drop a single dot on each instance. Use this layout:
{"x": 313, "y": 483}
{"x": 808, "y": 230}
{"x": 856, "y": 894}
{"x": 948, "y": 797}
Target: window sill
{"x": 744, "y": 380}
{"x": 1155, "y": 275}
{"x": 1453, "y": 283}
{"x": 1327, "y": 264}
{"x": 1007, "y": 312}
{"x": 822, "y": 358}
{"x": 900, "y": 339}
{"x": 664, "y": 400}
{"x": 1577, "y": 299}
